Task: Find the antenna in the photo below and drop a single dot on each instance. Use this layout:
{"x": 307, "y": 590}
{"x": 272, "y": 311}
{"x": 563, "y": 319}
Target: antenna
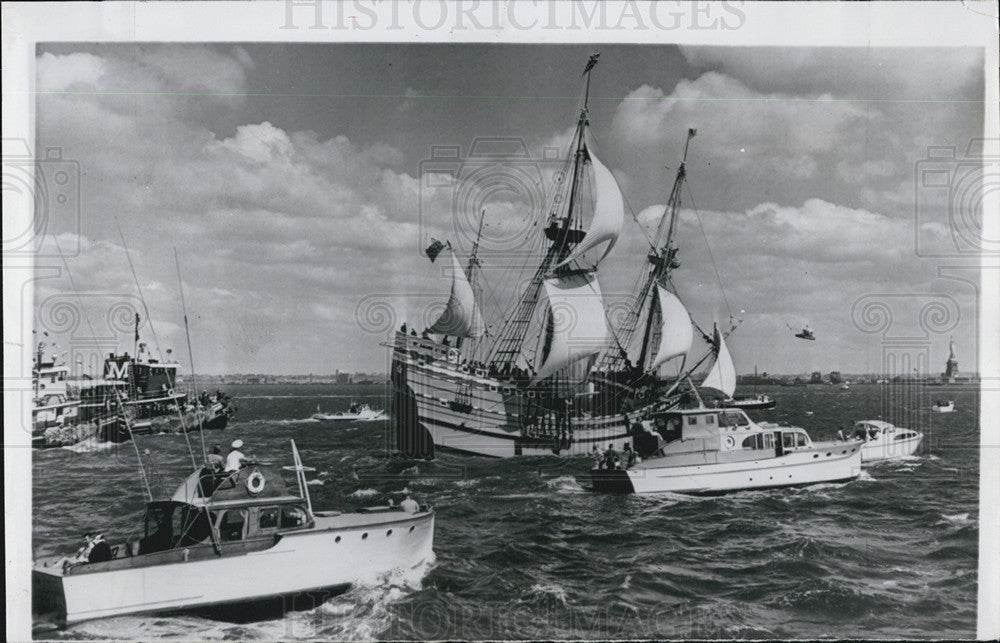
{"x": 187, "y": 333}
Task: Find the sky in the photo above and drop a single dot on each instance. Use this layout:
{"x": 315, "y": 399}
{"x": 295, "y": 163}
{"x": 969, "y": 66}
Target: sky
{"x": 296, "y": 185}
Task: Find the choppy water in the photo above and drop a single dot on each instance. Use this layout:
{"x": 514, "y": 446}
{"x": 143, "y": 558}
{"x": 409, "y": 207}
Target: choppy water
{"x": 524, "y": 551}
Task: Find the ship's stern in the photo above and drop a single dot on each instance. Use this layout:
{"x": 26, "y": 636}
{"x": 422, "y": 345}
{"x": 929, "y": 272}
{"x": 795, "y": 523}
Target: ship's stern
{"x": 611, "y": 480}
{"x": 412, "y": 438}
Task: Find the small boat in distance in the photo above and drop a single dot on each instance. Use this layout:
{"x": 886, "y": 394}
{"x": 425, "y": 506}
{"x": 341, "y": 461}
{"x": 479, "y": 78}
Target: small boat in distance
{"x": 884, "y": 441}
{"x": 233, "y": 539}
{"x": 943, "y": 406}
{"x": 759, "y": 402}
{"x": 706, "y": 451}
{"x": 356, "y": 413}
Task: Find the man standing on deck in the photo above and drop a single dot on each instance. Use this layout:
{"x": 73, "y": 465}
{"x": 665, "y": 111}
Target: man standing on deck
{"x": 215, "y": 460}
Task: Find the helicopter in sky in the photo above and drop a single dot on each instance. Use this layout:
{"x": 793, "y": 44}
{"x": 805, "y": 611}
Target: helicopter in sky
{"x": 805, "y": 333}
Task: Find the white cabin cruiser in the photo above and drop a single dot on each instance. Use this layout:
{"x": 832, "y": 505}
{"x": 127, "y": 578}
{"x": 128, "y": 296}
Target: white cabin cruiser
{"x": 884, "y": 441}
{"x": 712, "y": 451}
{"x": 356, "y": 413}
{"x": 233, "y": 538}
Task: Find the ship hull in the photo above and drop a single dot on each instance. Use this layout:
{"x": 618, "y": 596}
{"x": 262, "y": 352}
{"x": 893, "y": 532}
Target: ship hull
{"x": 819, "y": 464}
{"x": 890, "y": 450}
{"x": 494, "y": 418}
{"x": 320, "y": 559}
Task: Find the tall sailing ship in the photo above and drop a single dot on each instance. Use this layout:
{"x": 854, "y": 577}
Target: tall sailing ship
{"x": 553, "y": 375}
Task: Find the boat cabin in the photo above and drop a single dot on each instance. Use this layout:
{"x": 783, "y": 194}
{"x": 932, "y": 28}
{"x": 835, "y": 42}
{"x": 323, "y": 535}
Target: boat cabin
{"x": 210, "y": 515}
{"x": 873, "y": 430}
{"x": 705, "y": 429}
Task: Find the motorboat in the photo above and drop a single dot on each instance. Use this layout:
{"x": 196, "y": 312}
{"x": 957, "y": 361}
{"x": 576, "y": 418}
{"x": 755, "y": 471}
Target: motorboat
{"x": 712, "y": 451}
{"x": 233, "y": 538}
{"x": 356, "y": 413}
{"x": 759, "y": 402}
{"x": 884, "y": 441}
{"x": 943, "y": 406}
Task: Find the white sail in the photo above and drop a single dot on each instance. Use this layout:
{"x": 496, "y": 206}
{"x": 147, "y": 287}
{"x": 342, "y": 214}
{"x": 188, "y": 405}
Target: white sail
{"x": 722, "y": 377}
{"x": 676, "y": 333}
{"x": 461, "y": 317}
{"x": 609, "y": 213}
{"x": 578, "y": 324}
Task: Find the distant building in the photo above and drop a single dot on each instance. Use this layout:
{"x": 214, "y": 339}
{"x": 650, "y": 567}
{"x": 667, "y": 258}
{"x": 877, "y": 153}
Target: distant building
{"x": 343, "y": 378}
{"x": 817, "y": 378}
{"x": 835, "y": 377}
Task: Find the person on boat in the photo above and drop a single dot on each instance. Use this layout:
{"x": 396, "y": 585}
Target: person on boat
{"x": 402, "y": 328}
{"x": 598, "y": 457}
{"x": 628, "y": 455}
{"x": 610, "y": 457}
{"x": 409, "y": 505}
{"x": 235, "y": 458}
{"x": 840, "y": 434}
{"x": 215, "y": 460}
{"x": 445, "y": 341}
{"x": 100, "y": 550}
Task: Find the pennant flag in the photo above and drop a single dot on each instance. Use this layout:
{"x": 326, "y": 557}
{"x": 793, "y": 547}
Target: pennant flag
{"x": 592, "y": 62}
{"x": 692, "y": 131}
{"x": 434, "y": 249}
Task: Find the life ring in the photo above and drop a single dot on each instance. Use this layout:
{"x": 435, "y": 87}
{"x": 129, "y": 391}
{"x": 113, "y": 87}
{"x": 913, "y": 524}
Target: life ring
{"x": 730, "y": 442}
{"x": 255, "y": 483}
{"x": 170, "y": 392}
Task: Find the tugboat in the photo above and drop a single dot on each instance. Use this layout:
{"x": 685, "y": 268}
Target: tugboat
{"x": 233, "y": 538}
{"x": 52, "y": 404}
{"x": 883, "y": 441}
{"x": 705, "y": 451}
{"x": 356, "y": 413}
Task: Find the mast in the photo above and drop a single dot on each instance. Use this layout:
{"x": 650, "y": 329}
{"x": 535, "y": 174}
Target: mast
{"x": 561, "y": 232}
{"x": 662, "y": 260}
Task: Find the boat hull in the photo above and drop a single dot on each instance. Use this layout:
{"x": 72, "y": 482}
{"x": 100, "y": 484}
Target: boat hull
{"x": 890, "y": 450}
{"x": 491, "y": 421}
{"x": 331, "y": 555}
{"x": 818, "y": 464}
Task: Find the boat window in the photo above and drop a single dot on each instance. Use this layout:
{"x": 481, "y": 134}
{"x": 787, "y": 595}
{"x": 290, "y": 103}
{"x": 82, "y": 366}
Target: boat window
{"x": 768, "y": 440}
{"x": 788, "y": 440}
{"x": 710, "y": 419}
{"x": 232, "y": 524}
{"x": 754, "y": 441}
{"x": 292, "y": 516}
{"x": 800, "y": 440}
{"x": 269, "y": 518}
{"x": 159, "y": 530}
{"x": 692, "y": 419}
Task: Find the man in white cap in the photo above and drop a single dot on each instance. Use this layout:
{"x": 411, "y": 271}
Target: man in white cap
{"x": 235, "y": 458}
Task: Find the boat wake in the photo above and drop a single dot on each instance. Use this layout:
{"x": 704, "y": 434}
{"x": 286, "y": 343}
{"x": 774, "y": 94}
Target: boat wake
{"x": 90, "y": 445}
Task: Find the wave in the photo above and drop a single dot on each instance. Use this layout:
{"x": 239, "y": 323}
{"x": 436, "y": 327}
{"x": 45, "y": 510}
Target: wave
{"x": 364, "y": 493}
{"x": 90, "y": 445}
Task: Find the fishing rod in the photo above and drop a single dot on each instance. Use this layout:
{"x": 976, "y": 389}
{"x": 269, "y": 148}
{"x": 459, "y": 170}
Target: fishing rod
{"x": 187, "y": 333}
{"x": 138, "y": 457}
{"x": 180, "y": 411}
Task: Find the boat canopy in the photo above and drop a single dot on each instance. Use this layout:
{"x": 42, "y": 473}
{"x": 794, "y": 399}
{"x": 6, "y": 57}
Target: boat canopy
{"x": 255, "y": 482}
{"x": 677, "y": 333}
{"x": 577, "y": 321}
{"x": 609, "y": 213}
{"x": 461, "y": 316}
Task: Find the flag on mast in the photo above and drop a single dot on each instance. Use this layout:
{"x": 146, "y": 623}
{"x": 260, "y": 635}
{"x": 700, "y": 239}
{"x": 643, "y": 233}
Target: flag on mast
{"x": 137, "y": 327}
{"x": 434, "y": 249}
{"x": 592, "y": 62}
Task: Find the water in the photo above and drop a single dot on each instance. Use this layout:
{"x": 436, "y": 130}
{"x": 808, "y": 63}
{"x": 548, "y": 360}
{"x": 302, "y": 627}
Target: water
{"x": 525, "y": 551}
